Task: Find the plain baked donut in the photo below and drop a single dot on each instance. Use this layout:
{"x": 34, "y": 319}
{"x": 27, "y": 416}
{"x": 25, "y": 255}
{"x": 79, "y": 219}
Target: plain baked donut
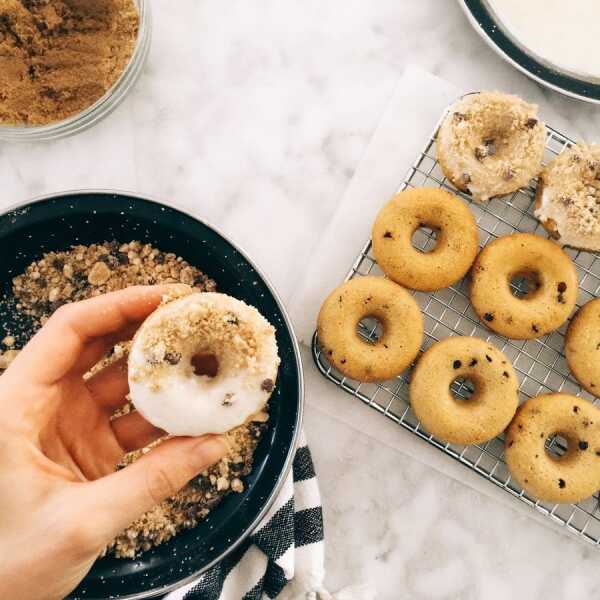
{"x": 477, "y": 419}
{"x": 392, "y": 306}
{"x": 491, "y": 144}
{"x": 552, "y": 281}
{"x": 570, "y": 478}
{"x": 204, "y": 363}
{"x": 567, "y": 201}
{"x": 456, "y": 243}
{"x": 582, "y": 346}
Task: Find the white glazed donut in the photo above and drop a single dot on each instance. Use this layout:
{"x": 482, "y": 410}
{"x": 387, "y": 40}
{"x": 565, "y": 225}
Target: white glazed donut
{"x": 179, "y": 344}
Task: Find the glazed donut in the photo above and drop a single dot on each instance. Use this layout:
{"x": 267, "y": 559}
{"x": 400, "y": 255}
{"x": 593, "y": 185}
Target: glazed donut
{"x": 204, "y": 363}
{"x": 491, "y": 144}
{"x": 552, "y": 282}
{"x": 477, "y": 419}
{"x": 567, "y": 201}
{"x": 570, "y": 478}
{"x": 392, "y": 306}
{"x": 582, "y": 346}
{"x": 456, "y": 244}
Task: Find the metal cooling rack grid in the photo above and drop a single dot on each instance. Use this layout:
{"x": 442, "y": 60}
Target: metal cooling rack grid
{"x": 540, "y": 364}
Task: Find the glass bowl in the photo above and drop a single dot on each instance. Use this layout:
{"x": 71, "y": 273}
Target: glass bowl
{"x": 104, "y": 105}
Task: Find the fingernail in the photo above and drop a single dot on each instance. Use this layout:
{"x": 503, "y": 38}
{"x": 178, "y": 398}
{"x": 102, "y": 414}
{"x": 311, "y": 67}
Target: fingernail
{"x": 209, "y": 450}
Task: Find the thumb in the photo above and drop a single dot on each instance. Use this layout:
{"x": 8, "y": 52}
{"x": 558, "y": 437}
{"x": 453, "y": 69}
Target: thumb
{"x": 118, "y": 499}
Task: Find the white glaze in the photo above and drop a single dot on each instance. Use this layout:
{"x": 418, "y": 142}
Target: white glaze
{"x": 183, "y": 403}
{"x": 565, "y": 33}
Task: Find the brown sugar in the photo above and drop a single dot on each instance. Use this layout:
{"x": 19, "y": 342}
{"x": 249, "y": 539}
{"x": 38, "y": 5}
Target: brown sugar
{"x": 57, "y": 57}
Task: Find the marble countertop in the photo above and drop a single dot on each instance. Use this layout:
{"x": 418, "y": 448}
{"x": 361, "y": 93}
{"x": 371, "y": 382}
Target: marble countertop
{"x": 255, "y": 115}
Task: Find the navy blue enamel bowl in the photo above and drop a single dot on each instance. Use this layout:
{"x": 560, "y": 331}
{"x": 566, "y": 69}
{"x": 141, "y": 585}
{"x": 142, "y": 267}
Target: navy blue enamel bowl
{"x": 55, "y": 223}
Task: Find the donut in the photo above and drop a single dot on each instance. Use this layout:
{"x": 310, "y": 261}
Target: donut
{"x": 582, "y": 346}
{"x": 204, "y": 363}
{"x": 394, "y": 308}
{"x": 456, "y": 243}
{"x": 567, "y": 201}
{"x": 552, "y": 286}
{"x": 491, "y": 144}
{"x": 570, "y": 478}
{"x": 475, "y": 420}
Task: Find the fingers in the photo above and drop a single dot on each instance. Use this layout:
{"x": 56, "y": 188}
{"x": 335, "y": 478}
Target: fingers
{"x": 110, "y": 386}
{"x": 118, "y": 499}
{"x": 58, "y": 347}
{"x": 133, "y": 431}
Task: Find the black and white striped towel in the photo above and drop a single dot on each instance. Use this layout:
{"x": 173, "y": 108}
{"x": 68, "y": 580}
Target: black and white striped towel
{"x": 284, "y": 557}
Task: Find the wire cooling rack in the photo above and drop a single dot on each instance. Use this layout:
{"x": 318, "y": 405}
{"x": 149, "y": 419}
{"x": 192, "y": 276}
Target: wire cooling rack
{"x": 540, "y": 364}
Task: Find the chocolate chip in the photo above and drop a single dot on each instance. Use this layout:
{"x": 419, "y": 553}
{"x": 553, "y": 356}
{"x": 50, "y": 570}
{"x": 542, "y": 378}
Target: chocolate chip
{"x": 267, "y": 385}
{"x": 58, "y": 264}
{"x": 531, "y": 123}
{"x": 576, "y": 409}
{"x": 480, "y": 153}
{"x": 520, "y": 426}
{"x": 231, "y": 319}
{"x": 343, "y": 361}
{"x": 473, "y": 362}
{"x": 172, "y": 358}
{"x": 387, "y": 234}
{"x": 597, "y": 452}
{"x": 562, "y": 287}
{"x": 488, "y": 358}
{"x": 489, "y": 317}
{"x": 510, "y": 443}
{"x": 583, "y": 445}
{"x": 457, "y": 364}
{"x": 505, "y": 374}
{"x": 542, "y": 434}
{"x": 561, "y": 483}
{"x": 159, "y": 259}
{"x": 535, "y": 328}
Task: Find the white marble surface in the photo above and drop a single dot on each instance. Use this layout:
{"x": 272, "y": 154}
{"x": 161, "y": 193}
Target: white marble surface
{"x": 255, "y": 115}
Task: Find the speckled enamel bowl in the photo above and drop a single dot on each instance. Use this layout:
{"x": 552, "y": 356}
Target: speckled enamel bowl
{"x": 56, "y": 222}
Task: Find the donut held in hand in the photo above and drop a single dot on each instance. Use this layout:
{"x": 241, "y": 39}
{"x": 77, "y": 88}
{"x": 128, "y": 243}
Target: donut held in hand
{"x": 204, "y": 363}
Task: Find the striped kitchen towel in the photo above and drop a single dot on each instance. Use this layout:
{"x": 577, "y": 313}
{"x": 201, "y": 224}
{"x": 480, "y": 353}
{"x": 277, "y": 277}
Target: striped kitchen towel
{"x": 284, "y": 557}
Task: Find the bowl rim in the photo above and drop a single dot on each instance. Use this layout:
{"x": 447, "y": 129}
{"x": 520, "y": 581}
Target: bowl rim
{"x": 569, "y": 85}
{"x": 295, "y": 345}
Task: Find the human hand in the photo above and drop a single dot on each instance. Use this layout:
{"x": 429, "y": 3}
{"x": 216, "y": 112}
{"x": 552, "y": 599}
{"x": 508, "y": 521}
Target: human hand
{"x": 61, "y": 500}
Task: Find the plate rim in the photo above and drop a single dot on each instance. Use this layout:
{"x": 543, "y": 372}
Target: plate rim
{"x": 546, "y": 79}
{"x": 295, "y": 345}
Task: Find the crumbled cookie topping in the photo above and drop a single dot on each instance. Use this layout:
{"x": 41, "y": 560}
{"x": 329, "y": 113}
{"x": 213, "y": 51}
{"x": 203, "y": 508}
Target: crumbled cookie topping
{"x": 86, "y": 271}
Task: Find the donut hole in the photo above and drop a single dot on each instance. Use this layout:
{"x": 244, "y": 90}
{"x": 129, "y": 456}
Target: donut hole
{"x": 370, "y": 329}
{"x": 524, "y": 284}
{"x": 424, "y": 239}
{"x": 556, "y": 446}
{"x": 463, "y": 389}
{"x": 205, "y": 364}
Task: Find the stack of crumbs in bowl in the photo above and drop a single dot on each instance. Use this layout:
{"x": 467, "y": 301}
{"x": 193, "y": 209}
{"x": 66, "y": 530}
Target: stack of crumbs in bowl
{"x": 86, "y": 271}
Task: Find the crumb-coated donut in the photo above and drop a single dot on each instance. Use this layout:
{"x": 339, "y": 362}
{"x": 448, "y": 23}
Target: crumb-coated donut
{"x": 582, "y": 346}
{"x": 482, "y": 416}
{"x": 395, "y": 309}
{"x": 456, "y": 243}
{"x": 552, "y": 286}
{"x": 491, "y": 144}
{"x": 571, "y": 477}
{"x": 204, "y": 363}
{"x": 567, "y": 201}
